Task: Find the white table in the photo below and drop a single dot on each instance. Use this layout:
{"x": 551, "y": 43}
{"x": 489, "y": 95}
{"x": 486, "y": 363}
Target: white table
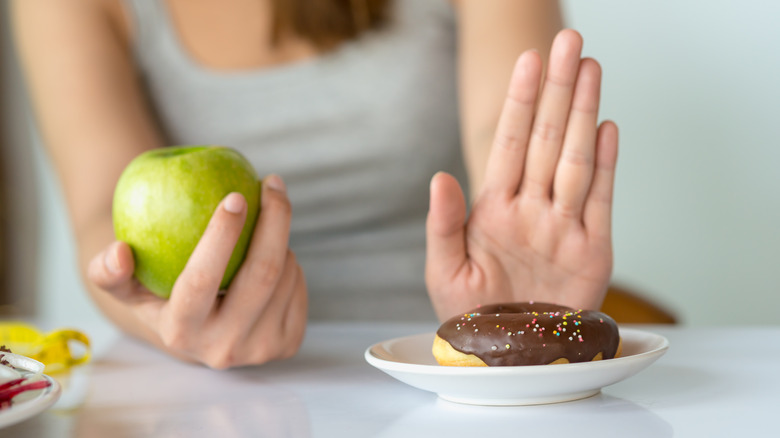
{"x": 712, "y": 382}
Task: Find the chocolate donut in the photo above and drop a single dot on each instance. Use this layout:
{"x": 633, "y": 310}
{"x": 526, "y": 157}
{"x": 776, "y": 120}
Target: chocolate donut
{"x": 526, "y": 334}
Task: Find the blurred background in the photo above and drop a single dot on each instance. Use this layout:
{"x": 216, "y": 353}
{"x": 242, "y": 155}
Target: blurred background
{"x": 694, "y": 88}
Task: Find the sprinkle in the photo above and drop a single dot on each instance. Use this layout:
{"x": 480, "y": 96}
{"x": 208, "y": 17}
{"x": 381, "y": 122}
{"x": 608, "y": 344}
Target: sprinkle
{"x": 476, "y": 330}
{"x": 507, "y": 346}
{"x": 494, "y": 348}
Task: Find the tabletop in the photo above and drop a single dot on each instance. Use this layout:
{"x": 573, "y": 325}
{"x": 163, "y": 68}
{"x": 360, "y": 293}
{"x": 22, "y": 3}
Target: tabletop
{"x": 713, "y": 381}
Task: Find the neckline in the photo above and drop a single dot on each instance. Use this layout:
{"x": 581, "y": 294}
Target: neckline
{"x": 177, "y": 45}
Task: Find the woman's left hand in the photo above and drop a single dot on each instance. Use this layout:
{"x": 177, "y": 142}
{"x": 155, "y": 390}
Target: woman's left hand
{"x": 540, "y": 228}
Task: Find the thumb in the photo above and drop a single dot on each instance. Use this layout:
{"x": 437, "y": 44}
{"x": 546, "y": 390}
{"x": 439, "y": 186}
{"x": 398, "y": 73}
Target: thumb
{"x": 445, "y": 228}
{"x": 112, "y": 269}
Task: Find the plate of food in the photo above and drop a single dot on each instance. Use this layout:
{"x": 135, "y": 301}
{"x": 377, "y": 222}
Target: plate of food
{"x": 24, "y": 390}
{"x": 523, "y": 355}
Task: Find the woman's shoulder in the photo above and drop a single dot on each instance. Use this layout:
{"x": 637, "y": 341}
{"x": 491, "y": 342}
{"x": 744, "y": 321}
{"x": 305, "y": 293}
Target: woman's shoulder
{"x": 46, "y": 19}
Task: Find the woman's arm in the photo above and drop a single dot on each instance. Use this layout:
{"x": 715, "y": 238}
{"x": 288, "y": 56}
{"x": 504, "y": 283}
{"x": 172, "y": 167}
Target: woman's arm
{"x": 491, "y": 36}
{"x": 94, "y": 119}
{"x": 90, "y": 111}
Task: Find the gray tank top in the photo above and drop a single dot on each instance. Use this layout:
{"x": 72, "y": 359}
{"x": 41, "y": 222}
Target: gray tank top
{"x": 356, "y": 134}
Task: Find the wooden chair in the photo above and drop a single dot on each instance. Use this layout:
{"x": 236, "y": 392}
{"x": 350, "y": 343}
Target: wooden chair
{"x": 629, "y": 307}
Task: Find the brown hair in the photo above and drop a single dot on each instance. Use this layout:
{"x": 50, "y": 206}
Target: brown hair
{"x": 326, "y": 23}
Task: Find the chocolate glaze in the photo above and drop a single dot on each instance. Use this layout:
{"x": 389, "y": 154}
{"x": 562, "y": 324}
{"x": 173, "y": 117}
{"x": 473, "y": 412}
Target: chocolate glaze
{"x": 531, "y": 334}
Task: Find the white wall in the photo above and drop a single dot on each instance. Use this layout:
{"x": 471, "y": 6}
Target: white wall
{"x": 694, "y": 88}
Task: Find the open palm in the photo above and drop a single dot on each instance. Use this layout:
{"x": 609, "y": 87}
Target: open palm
{"x": 540, "y": 228}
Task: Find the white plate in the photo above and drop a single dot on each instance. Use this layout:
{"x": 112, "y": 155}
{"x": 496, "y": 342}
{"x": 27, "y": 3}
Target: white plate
{"x": 30, "y": 403}
{"x": 409, "y": 359}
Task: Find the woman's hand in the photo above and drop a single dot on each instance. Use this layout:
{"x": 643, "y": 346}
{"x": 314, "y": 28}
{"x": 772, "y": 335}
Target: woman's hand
{"x": 261, "y": 317}
{"x": 540, "y": 228}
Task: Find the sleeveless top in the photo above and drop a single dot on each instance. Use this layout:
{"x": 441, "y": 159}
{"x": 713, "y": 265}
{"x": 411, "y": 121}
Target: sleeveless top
{"x": 355, "y": 133}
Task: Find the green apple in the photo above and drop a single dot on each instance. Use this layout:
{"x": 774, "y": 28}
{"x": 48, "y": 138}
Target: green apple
{"x": 164, "y": 200}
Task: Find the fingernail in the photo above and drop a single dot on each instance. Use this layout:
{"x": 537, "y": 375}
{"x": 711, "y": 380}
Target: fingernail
{"x": 275, "y": 182}
{"x": 433, "y": 178}
{"x": 234, "y": 203}
{"x": 111, "y": 259}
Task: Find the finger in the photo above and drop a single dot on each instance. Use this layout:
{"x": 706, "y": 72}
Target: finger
{"x": 445, "y": 230}
{"x": 574, "y": 173}
{"x": 112, "y": 269}
{"x": 243, "y": 309}
{"x": 259, "y": 274}
{"x": 507, "y": 156}
{"x": 298, "y": 308}
{"x": 285, "y": 316}
{"x": 597, "y": 214}
{"x": 295, "y": 315}
{"x": 196, "y": 288}
{"x": 250, "y": 334}
{"x": 279, "y": 302}
{"x": 551, "y": 116}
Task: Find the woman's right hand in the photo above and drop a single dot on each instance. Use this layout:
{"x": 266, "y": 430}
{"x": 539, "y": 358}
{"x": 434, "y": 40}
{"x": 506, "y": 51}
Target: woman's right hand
{"x": 262, "y": 315}
{"x": 94, "y": 115}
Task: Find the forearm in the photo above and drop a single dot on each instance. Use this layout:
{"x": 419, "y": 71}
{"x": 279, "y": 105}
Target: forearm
{"x": 491, "y": 37}
{"x": 92, "y": 116}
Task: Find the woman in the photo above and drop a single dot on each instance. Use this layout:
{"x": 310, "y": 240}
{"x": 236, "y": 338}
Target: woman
{"x": 357, "y": 104}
